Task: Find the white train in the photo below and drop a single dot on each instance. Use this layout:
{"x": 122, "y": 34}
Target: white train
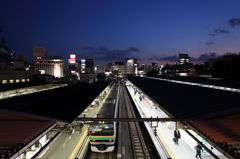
{"x": 102, "y": 135}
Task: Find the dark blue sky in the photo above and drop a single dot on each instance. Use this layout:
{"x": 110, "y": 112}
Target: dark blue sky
{"x": 156, "y": 27}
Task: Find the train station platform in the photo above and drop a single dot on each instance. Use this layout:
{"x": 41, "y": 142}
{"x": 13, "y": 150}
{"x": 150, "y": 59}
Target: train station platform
{"x": 165, "y": 130}
{"x": 69, "y": 144}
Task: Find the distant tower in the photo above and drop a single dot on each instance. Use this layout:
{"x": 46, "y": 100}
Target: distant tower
{"x": 39, "y": 52}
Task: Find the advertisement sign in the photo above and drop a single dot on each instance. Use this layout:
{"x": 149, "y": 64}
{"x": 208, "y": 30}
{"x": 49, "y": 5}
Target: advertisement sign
{"x": 72, "y": 59}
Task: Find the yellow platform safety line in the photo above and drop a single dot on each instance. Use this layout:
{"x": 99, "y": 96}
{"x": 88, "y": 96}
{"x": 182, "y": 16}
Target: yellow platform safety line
{"x": 72, "y": 156}
{"x": 166, "y": 146}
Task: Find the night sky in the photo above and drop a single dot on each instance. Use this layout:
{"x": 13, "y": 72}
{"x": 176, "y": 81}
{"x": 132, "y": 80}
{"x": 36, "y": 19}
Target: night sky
{"x": 108, "y": 30}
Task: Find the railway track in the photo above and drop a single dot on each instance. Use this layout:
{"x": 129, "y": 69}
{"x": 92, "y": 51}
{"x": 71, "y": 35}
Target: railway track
{"x": 109, "y": 111}
{"x": 133, "y": 141}
{"x": 102, "y": 156}
{"x": 139, "y": 147}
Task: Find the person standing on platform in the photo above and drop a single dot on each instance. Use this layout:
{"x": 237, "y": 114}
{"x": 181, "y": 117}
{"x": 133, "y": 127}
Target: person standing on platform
{"x": 198, "y": 149}
{"x": 176, "y": 136}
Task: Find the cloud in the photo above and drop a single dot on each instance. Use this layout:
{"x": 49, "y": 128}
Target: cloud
{"x": 219, "y": 31}
{"x": 203, "y": 57}
{"x": 234, "y": 22}
{"x": 133, "y": 49}
{"x": 88, "y": 48}
{"x": 209, "y": 43}
{"x": 167, "y": 58}
{"x": 212, "y": 34}
{"x": 103, "y": 49}
{"x": 104, "y": 54}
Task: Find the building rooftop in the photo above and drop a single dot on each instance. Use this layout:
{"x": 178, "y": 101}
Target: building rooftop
{"x": 63, "y": 104}
{"x": 186, "y": 101}
{"x": 12, "y": 86}
{"x": 231, "y": 83}
{"x": 17, "y": 130}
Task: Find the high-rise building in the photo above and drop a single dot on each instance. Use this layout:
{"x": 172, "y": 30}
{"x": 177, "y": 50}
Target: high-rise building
{"x": 19, "y": 64}
{"x": 86, "y": 66}
{"x": 89, "y": 66}
{"x": 51, "y": 66}
{"x": 6, "y": 57}
{"x": 39, "y": 52}
{"x": 47, "y": 65}
{"x": 183, "y": 58}
{"x": 73, "y": 71}
{"x": 125, "y": 68}
{"x": 131, "y": 66}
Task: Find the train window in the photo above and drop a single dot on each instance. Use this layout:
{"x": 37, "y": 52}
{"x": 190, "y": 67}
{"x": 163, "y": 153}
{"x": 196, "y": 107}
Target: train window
{"x": 101, "y": 129}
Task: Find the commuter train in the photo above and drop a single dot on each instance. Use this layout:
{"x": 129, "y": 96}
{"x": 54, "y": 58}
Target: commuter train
{"x": 102, "y": 134}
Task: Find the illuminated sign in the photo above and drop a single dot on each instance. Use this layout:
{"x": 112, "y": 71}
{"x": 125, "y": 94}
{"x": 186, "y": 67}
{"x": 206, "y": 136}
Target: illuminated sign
{"x": 83, "y": 66}
{"x": 72, "y": 58}
{"x": 83, "y": 61}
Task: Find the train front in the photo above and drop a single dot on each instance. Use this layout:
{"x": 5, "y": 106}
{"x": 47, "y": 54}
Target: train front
{"x": 102, "y": 136}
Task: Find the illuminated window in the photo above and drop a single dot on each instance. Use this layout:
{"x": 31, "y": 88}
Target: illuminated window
{"x": 4, "y": 81}
{"x": 27, "y": 80}
{"x": 17, "y": 80}
{"x": 11, "y": 81}
{"x": 23, "y": 80}
{"x": 57, "y": 70}
{"x": 42, "y": 71}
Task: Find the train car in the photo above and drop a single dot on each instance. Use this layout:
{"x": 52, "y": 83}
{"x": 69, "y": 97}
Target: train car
{"x": 102, "y": 135}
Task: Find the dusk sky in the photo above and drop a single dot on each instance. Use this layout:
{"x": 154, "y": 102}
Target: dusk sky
{"x": 109, "y": 30}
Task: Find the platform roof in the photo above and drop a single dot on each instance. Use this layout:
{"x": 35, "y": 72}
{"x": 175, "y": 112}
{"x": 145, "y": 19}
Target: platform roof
{"x": 61, "y": 104}
{"x": 222, "y": 129}
{"x": 214, "y": 113}
{"x": 12, "y": 86}
{"x": 186, "y": 101}
{"x": 17, "y": 130}
{"x": 231, "y": 83}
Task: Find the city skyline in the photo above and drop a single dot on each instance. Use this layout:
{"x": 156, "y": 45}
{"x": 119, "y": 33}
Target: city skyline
{"x": 110, "y": 31}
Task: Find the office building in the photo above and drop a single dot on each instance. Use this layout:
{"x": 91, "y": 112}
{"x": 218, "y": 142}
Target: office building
{"x": 86, "y": 66}
{"x": 52, "y": 65}
{"x": 6, "y": 57}
{"x": 39, "y": 52}
{"x": 183, "y": 58}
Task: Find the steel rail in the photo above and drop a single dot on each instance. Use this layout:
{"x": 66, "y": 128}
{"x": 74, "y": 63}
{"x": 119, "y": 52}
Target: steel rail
{"x": 138, "y": 144}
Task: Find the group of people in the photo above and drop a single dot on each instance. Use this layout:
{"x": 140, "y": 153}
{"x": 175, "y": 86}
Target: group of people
{"x": 198, "y": 148}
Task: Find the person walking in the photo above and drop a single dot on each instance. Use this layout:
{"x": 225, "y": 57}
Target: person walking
{"x": 176, "y": 136}
{"x": 198, "y": 149}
